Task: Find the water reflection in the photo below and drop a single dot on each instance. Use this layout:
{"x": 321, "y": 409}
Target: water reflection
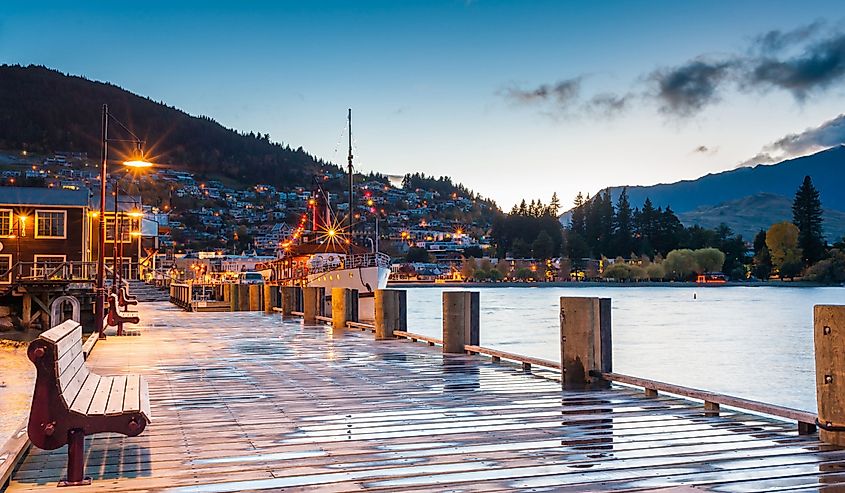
{"x": 743, "y": 341}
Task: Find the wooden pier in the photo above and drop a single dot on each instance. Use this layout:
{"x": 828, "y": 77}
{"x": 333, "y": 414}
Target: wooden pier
{"x": 252, "y": 401}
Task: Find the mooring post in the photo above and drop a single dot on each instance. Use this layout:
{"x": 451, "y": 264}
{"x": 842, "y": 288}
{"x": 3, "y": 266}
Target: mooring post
{"x": 829, "y": 336}
{"x": 254, "y": 297}
{"x": 460, "y": 320}
{"x": 585, "y": 343}
{"x": 344, "y": 309}
{"x": 391, "y": 312}
{"x": 289, "y": 294}
{"x": 312, "y": 300}
{"x": 233, "y": 298}
{"x": 269, "y": 298}
{"x": 243, "y": 297}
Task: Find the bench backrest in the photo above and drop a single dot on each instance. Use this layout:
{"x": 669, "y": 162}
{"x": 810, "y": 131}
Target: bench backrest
{"x": 69, "y": 364}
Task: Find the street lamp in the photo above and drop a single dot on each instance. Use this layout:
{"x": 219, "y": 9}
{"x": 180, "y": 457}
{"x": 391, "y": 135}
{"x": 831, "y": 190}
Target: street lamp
{"x": 138, "y": 162}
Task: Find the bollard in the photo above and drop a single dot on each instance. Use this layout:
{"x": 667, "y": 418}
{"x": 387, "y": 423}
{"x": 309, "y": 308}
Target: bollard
{"x": 391, "y": 312}
{"x": 233, "y": 298}
{"x": 344, "y": 307}
{"x": 585, "y": 343}
{"x": 243, "y": 297}
{"x": 289, "y": 295}
{"x": 227, "y": 289}
{"x": 460, "y": 320}
{"x": 312, "y": 298}
{"x": 268, "y": 298}
{"x": 254, "y": 297}
{"x": 829, "y": 337}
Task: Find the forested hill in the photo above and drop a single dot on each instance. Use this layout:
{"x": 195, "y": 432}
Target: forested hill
{"x": 826, "y": 168}
{"x": 43, "y": 110}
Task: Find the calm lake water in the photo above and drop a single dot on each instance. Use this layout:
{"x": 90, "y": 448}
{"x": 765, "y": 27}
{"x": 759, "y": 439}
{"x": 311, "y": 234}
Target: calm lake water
{"x": 753, "y": 342}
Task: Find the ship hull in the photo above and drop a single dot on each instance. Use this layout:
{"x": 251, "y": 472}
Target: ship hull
{"x": 365, "y": 279}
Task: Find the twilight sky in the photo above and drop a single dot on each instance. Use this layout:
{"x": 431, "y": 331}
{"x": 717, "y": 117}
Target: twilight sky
{"x": 514, "y": 99}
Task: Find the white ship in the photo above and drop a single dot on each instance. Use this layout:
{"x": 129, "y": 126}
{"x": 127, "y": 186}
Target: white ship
{"x": 327, "y": 257}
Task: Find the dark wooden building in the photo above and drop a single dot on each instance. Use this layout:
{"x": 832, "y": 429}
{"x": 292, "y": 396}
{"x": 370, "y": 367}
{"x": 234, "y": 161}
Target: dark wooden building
{"x": 41, "y": 229}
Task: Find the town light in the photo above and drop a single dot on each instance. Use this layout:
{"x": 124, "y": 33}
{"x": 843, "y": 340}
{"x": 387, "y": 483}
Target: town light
{"x": 332, "y": 233}
{"x": 135, "y": 233}
{"x": 136, "y": 214}
{"x": 137, "y": 163}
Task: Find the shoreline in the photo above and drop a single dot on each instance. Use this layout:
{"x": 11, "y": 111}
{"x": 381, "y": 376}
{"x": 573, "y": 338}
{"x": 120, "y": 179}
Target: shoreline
{"x": 601, "y": 284}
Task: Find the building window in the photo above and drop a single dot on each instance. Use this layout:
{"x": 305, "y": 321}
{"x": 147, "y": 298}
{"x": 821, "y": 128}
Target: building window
{"x": 6, "y": 223}
{"x": 5, "y": 266}
{"x": 50, "y": 224}
{"x": 125, "y": 228}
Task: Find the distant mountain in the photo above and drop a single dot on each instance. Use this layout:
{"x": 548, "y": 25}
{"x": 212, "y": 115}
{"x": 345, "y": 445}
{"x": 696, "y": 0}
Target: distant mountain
{"x": 751, "y": 198}
{"x": 43, "y": 110}
{"x": 827, "y": 169}
{"x": 748, "y": 215}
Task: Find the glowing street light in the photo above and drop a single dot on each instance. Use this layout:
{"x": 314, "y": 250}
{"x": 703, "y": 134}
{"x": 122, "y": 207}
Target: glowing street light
{"x": 136, "y": 163}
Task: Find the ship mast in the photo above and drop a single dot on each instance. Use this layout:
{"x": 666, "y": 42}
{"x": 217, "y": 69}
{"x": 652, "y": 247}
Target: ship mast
{"x": 351, "y": 183}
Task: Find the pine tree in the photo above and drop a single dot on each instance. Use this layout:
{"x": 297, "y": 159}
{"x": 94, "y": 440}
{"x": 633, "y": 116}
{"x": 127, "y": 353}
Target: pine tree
{"x": 807, "y": 216}
{"x": 578, "y": 224}
{"x": 554, "y": 205}
{"x": 623, "y": 229}
{"x": 606, "y": 223}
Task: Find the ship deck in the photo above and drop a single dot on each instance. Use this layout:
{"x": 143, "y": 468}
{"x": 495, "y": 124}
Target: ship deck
{"x": 247, "y": 401}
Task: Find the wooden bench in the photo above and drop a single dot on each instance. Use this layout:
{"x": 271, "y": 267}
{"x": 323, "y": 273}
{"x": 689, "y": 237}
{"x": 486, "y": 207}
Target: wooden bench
{"x": 70, "y": 401}
{"x": 124, "y": 299}
{"x": 117, "y": 318}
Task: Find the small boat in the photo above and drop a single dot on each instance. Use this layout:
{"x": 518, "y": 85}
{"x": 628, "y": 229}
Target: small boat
{"x": 324, "y": 254}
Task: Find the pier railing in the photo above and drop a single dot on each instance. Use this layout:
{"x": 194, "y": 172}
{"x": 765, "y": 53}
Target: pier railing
{"x": 586, "y": 351}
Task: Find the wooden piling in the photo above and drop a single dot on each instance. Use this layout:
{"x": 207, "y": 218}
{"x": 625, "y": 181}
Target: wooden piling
{"x": 243, "y": 297}
{"x": 255, "y": 297}
{"x": 312, "y": 298}
{"x": 289, "y": 296}
{"x": 344, "y": 307}
{"x": 391, "y": 312}
{"x": 269, "y": 297}
{"x": 460, "y": 320}
{"x": 829, "y": 336}
{"x": 26, "y": 315}
{"x": 585, "y": 342}
{"x": 233, "y": 298}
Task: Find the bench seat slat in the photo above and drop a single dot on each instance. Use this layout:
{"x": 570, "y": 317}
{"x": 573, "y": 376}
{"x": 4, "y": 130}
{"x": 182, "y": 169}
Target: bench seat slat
{"x": 68, "y": 359}
{"x": 116, "y": 396}
{"x": 101, "y": 396}
{"x": 68, "y": 340}
{"x": 83, "y": 399}
{"x": 132, "y": 399}
{"x": 59, "y": 332}
{"x": 145, "y": 400}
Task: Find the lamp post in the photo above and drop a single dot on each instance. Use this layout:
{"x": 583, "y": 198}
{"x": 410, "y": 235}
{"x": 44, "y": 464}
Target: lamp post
{"x": 139, "y": 162}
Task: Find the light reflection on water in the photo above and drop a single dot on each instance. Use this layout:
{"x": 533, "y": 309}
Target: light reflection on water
{"x": 753, "y": 342}
{"x": 18, "y": 374}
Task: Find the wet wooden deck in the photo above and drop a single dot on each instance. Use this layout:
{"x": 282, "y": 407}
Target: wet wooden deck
{"x": 243, "y": 401}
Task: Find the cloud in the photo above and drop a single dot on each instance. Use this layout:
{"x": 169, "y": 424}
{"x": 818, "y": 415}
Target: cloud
{"x": 703, "y": 149}
{"x": 688, "y": 88}
{"x": 609, "y": 104}
{"x": 803, "y": 61}
{"x": 821, "y": 65}
{"x": 829, "y": 134}
{"x": 776, "y": 40}
{"x": 563, "y": 93}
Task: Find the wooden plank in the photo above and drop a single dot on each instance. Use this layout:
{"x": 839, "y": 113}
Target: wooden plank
{"x": 712, "y": 397}
{"x": 72, "y": 338}
{"x": 145, "y": 399}
{"x": 60, "y": 331}
{"x": 12, "y": 451}
{"x": 65, "y": 361}
{"x": 89, "y": 344}
{"x": 101, "y": 396}
{"x": 132, "y": 398}
{"x": 417, "y": 337}
{"x": 512, "y": 356}
{"x": 86, "y": 394}
{"x": 116, "y": 396}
